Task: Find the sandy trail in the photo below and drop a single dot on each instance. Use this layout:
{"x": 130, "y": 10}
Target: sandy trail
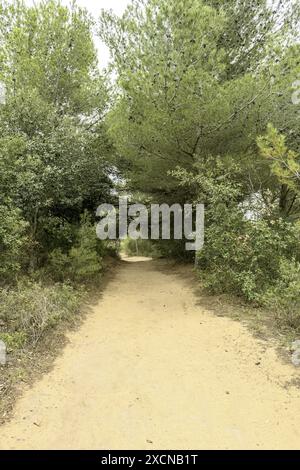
{"x": 152, "y": 369}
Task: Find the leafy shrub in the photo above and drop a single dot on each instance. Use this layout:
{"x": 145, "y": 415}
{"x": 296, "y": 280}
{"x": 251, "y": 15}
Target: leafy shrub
{"x": 12, "y": 241}
{"x": 56, "y": 232}
{"x": 140, "y": 248}
{"x": 284, "y": 297}
{"x": 108, "y": 248}
{"x": 174, "y": 249}
{"x": 28, "y": 311}
{"x": 14, "y": 340}
{"x": 83, "y": 261}
{"x": 243, "y": 257}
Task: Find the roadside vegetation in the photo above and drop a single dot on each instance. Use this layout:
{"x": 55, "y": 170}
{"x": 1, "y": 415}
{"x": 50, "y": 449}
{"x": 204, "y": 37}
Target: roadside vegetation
{"x": 201, "y": 104}
{"x": 207, "y": 111}
{"x": 55, "y": 168}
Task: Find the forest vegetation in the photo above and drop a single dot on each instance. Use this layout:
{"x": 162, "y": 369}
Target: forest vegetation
{"x": 200, "y": 104}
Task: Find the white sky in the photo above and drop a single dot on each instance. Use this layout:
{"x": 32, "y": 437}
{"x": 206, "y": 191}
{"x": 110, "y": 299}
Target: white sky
{"x": 94, "y": 7}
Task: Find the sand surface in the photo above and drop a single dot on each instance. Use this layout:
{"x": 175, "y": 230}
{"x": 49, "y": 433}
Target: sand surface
{"x": 152, "y": 368}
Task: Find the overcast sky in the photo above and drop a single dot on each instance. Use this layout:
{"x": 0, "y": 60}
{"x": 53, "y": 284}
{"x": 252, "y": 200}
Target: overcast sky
{"x": 94, "y": 7}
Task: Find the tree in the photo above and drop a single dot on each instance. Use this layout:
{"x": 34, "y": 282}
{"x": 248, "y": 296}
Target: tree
{"x": 285, "y": 165}
{"x": 187, "y": 89}
{"x": 54, "y": 151}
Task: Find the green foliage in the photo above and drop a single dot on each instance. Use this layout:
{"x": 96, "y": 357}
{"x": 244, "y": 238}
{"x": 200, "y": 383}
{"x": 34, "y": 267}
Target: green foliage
{"x": 54, "y": 152}
{"x": 243, "y": 257}
{"x": 82, "y": 263}
{"x": 85, "y": 262}
{"x": 285, "y": 163}
{"x": 31, "y": 309}
{"x": 145, "y": 248}
{"x": 12, "y": 241}
{"x": 283, "y": 299}
{"x": 244, "y": 250}
{"x": 14, "y": 341}
{"x": 194, "y": 81}
{"x": 197, "y": 82}
{"x": 55, "y": 164}
{"x": 250, "y": 28}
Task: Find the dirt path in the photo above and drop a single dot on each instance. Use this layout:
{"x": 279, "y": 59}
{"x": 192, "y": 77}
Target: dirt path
{"x": 151, "y": 369}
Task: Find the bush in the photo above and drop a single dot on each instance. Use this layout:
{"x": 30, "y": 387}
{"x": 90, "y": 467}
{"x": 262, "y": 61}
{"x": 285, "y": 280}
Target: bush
{"x": 12, "y": 241}
{"x": 284, "y": 298}
{"x": 83, "y": 261}
{"x": 140, "y": 248}
{"x": 28, "y": 311}
{"x": 108, "y": 248}
{"x": 243, "y": 257}
{"x": 14, "y": 341}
